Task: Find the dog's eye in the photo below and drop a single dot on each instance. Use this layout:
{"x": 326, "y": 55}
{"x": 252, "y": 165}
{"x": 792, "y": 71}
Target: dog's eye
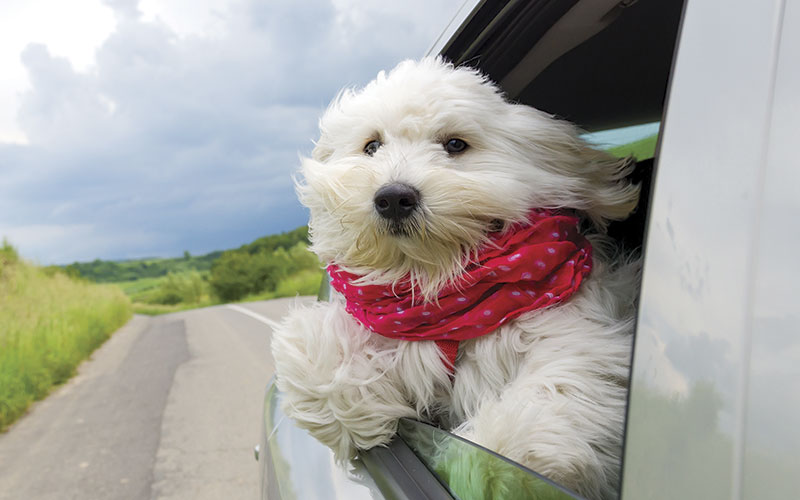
{"x": 454, "y": 146}
{"x": 372, "y": 147}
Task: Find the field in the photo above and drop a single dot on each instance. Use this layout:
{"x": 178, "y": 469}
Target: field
{"x": 641, "y": 149}
{"x": 49, "y": 323}
{"x": 144, "y": 293}
{"x": 273, "y": 266}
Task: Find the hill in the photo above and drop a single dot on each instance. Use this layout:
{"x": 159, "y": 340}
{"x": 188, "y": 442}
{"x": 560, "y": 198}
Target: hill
{"x": 110, "y": 271}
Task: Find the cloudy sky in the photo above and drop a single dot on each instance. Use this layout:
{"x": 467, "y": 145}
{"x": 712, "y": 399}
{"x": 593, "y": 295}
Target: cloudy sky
{"x": 145, "y": 128}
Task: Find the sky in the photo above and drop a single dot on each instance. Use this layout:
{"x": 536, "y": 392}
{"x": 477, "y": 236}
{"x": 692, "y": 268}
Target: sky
{"x": 145, "y": 128}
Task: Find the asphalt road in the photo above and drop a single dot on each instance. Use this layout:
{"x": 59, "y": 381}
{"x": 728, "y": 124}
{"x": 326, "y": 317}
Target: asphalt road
{"x": 168, "y": 408}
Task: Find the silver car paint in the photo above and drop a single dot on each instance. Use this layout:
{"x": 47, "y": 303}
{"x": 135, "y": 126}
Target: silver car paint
{"x": 715, "y": 405}
{"x": 294, "y": 465}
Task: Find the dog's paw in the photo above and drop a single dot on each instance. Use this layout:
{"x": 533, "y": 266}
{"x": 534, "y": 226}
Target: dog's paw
{"x": 333, "y": 378}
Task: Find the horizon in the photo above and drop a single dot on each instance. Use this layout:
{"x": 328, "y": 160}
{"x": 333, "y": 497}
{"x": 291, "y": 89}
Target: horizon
{"x": 179, "y": 256}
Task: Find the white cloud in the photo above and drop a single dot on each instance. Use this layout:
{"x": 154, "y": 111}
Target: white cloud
{"x": 187, "y": 134}
{"x": 188, "y": 17}
{"x": 72, "y": 30}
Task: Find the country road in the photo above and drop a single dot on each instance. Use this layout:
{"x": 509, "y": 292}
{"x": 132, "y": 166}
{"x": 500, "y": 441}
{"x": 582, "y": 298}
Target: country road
{"x": 168, "y": 408}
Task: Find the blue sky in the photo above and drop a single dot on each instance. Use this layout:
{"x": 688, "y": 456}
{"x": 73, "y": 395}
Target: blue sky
{"x": 145, "y": 128}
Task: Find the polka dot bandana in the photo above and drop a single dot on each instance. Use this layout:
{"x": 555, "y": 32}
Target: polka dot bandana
{"x": 530, "y": 266}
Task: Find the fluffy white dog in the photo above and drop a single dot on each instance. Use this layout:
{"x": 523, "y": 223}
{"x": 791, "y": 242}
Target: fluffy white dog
{"x": 413, "y": 180}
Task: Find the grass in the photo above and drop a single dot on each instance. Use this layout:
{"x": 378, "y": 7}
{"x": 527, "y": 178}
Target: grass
{"x": 156, "y": 309}
{"x": 144, "y": 293}
{"x": 142, "y": 285}
{"x": 641, "y": 149}
{"x": 49, "y": 323}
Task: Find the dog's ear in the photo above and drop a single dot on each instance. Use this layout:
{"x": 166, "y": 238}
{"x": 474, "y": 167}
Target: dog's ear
{"x": 588, "y": 179}
{"x": 321, "y": 153}
{"x": 332, "y": 122}
{"x": 607, "y": 185}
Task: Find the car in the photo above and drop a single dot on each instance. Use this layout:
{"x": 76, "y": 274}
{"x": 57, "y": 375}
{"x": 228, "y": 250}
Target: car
{"x": 704, "y": 93}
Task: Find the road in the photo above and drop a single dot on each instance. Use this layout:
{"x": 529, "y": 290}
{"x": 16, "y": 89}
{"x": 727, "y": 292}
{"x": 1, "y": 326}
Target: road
{"x": 168, "y": 408}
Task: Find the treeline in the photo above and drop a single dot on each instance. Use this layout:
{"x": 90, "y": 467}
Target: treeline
{"x": 272, "y": 266}
{"x": 239, "y": 273}
{"x": 261, "y": 266}
{"x": 108, "y": 271}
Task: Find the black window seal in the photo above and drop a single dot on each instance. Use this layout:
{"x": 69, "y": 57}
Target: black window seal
{"x": 401, "y": 475}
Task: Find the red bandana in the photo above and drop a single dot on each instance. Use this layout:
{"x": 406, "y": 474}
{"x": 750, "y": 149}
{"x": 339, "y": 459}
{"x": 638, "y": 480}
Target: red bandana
{"x": 528, "y": 267}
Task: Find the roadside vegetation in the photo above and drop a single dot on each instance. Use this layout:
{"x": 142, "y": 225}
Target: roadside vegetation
{"x": 278, "y": 265}
{"x": 108, "y": 271}
{"x": 49, "y": 323}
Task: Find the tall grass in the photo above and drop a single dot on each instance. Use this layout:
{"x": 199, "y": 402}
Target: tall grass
{"x": 49, "y": 323}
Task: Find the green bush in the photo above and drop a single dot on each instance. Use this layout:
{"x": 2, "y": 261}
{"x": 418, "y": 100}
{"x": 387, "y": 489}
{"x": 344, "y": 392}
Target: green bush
{"x": 8, "y": 256}
{"x": 179, "y": 288}
{"x": 238, "y": 274}
{"x": 231, "y": 276}
{"x": 102, "y": 271}
{"x": 305, "y": 282}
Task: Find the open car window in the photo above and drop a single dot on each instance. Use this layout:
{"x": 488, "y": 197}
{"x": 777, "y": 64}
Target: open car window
{"x": 611, "y": 81}
{"x": 463, "y": 467}
{"x": 638, "y": 141}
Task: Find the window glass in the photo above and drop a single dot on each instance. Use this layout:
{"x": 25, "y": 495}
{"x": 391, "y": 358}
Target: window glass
{"x": 638, "y": 141}
{"x": 472, "y": 472}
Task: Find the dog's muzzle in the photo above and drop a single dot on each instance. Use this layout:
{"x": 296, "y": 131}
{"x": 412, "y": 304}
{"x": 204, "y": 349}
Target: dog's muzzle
{"x": 396, "y": 201}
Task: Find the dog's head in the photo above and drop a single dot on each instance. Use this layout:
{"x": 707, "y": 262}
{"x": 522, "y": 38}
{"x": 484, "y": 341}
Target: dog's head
{"x": 411, "y": 173}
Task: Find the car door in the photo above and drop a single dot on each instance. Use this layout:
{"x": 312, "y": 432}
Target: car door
{"x": 714, "y": 403}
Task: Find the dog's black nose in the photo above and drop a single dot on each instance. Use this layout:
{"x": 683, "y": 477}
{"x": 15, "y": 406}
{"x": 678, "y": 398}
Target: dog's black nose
{"x": 396, "y": 201}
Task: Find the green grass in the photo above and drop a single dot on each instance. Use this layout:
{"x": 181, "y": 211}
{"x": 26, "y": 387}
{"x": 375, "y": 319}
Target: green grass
{"x": 156, "y": 309}
{"x": 140, "y": 285}
{"x": 172, "y": 289}
{"x": 49, "y": 323}
{"x": 641, "y": 149}
{"x": 105, "y": 271}
{"x": 144, "y": 295}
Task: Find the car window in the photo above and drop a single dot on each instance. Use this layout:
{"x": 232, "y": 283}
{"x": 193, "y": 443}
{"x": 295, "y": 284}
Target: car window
{"x": 460, "y": 465}
{"x": 638, "y": 141}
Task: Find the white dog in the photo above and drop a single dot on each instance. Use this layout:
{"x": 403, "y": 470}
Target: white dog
{"x": 418, "y": 189}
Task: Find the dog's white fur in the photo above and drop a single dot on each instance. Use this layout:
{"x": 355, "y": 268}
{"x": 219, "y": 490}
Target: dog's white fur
{"x": 547, "y": 390}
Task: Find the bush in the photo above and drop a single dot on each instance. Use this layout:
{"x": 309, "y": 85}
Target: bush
{"x": 238, "y": 273}
{"x": 177, "y": 288}
{"x": 8, "y": 256}
{"x": 303, "y": 258}
{"x": 232, "y": 276}
{"x": 306, "y": 282}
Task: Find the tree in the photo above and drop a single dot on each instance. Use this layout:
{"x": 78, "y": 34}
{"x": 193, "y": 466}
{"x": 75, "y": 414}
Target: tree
{"x": 231, "y": 276}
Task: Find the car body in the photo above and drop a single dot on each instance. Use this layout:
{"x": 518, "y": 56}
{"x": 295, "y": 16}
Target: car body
{"x": 715, "y": 382}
